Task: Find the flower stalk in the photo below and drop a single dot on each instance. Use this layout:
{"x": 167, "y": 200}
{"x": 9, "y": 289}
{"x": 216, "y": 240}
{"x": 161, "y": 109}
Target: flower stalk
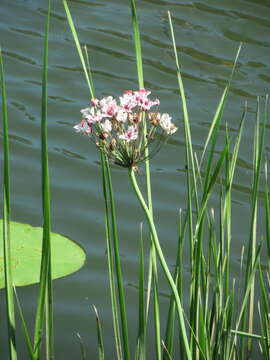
{"x": 162, "y": 261}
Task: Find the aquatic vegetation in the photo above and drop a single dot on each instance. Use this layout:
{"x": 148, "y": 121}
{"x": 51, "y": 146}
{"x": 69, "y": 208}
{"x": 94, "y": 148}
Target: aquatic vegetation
{"x": 212, "y": 326}
{"x": 205, "y": 320}
{"x": 123, "y": 129}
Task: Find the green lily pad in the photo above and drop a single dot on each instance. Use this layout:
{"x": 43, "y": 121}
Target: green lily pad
{"x": 26, "y": 244}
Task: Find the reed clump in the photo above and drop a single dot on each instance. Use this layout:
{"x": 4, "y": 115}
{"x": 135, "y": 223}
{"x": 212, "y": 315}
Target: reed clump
{"x": 127, "y": 132}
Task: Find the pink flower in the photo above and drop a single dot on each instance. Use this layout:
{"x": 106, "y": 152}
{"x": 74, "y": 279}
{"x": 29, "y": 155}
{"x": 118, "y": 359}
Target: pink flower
{"x": 91, "y": 115}
{"x": 143, "y": 92}
{"x": 107, "y": 126}
{"x": 143, "y": 102}
{"x": 147, "y": 104}
{"x": 94, "y": 102}
{"x": 128, "y": 100}
{"x": 121, "y": 115}
{"x": 108, "y": 106}
{"x": 85, "y": 112}
{"x": 128, "y": 92}
{"x": 167, "y": 125}
{"x": 83, "y": 127}
{"x": 118, "y": 126}
{"x": 130, "y": 134}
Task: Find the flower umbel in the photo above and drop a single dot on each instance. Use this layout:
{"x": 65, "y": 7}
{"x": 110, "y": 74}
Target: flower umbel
{"x": 123, "y": 129}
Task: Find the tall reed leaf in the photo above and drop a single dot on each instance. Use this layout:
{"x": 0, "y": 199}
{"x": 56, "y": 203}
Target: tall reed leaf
{"x": 267, "y": 214}
{"x": 109, "y": 213}
{"x": 191, "y": 177}
{"x": 45, "y": 287}
{"x": 79, "y": 49}
{"x": 153, "y": 261}
{"x": 213, "y": 131}
{"x": 6, "y": 227}
{"x": 258, "y": 153}
{"x": 110, "y": 261}
{"x": 141, "y": 343}
{"x": 121, "y": 294}
{"x": 169, "y": 337}
{"x": 24, "y": 326}
{"x": 137, "y": 43}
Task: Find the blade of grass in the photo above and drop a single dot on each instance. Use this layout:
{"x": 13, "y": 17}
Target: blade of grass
{"x": 267, "y": 214}
{"x": 10, "y": 311}
{"x": 244, "y": 301}
{"x": 137, "y": 43}
{"x": 79, "y": 49}
{"x": 188, "y": 142}
{"x": 153, "y": 261}
{"x": 219, "y": 112}
{"x": 89, "y": 70}
{"x": 141, "y": 341}
{"x": 226, "y": 212}
{"x": 82, "y": 347}
{"x": 121, "y": 294}
{"x": 191, "y": 176}
{"x": 169, "y": 336}
{"x": 259, "y": 146}
{"x": 25, "y": 329}
{"x": 101, "y": 355}
{"x": 108, "y": 199}
{"x": 45, "y": 286}
{"x": 111, "y": 262}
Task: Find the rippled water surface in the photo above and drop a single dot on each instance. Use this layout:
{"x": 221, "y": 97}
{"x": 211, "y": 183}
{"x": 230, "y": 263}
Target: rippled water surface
{"x": 208, "y": 34}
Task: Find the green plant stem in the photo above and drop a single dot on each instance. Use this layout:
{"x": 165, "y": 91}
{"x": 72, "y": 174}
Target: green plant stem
{"x": 110, "y": 259}
{"x": 152, "y": 263}
{"x": 6, "y": 226}
{"x": 119, "y": 275}
{"x": 162, "y": 261}
{"x": 45, "y": 287}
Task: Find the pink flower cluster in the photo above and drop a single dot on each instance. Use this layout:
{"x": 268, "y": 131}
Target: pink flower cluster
{"x": 117, "y": 126}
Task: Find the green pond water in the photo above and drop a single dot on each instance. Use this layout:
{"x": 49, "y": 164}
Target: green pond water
{"x": 208, "y": 34}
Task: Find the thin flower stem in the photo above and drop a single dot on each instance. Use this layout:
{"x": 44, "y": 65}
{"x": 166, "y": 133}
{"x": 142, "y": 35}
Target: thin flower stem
{"x": 119, "y": 275}
{"x": 162, "y": 261}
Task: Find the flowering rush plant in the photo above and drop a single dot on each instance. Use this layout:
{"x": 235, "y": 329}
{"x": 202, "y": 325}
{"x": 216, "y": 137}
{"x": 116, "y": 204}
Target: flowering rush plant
{"x": 123, "y": 129}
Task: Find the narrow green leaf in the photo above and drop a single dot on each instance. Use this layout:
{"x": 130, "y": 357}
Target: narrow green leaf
{"x": 119, "y": 276}
{"x": 258, "y": 153}
{"x": 219, "y": 112}
{"x": 137, "y": 43}
{"x": 246, "y": 334}
{"x": 82, "y": 347}
{"x": 152, "y": 265}
{"x": 79, "y": 49}
{"x": 141, "y": 341}
{"x": 169, "y": 337}
{"x": 6, "y": 224}
{"x": 25, "y": 329}
{"x": 244, "y": 301}
{"x": 45, "y": 287}
{"x": 267, "y": 214}
{"x": 109, "y": 203}
{"x": 101, "y": 355}
{"x": 191, "y": 175}
{"x": 214, "y": 129}
{"x": 111, "y": 262}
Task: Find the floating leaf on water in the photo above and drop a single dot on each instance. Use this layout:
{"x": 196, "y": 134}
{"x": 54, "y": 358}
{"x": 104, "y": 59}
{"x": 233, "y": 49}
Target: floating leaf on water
{"x": 26, "y": 244}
